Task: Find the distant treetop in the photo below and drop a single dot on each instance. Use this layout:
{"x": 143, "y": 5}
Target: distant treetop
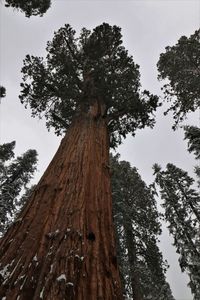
{"x": 30, "y": 7}
{"x": 180, "y": 65}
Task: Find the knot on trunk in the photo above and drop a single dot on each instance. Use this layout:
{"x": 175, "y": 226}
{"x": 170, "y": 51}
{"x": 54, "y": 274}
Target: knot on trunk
{"x": 91, "y": 236}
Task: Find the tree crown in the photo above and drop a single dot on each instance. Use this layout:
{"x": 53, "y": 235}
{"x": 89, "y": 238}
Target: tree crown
{"x": 78, "y": 72}
{"x": 180, "y": 64}
{"x": 30, "y": 7}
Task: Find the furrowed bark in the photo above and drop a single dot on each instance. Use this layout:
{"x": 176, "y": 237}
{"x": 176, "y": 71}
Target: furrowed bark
{"x": 62, "y": 244}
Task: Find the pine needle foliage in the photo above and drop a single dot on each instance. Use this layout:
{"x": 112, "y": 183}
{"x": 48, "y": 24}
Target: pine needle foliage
{"x": 79, "y": 71}
{"x": 180, "y": 65}
{"x": 192, "y": 135}
{"x": 182, "y": 213}
{"x": 137, "y": 226}
{"x": 15, "y": 174}
{"x": 30, "y": 7}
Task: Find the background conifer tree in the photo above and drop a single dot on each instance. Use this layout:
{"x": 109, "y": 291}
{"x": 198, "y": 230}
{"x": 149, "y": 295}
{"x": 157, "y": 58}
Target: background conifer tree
{"x": 15, "y": 174}
{"x": 182, "y": 213}
{"x": 137, "y": 228}
{"x": 180, "y": 65}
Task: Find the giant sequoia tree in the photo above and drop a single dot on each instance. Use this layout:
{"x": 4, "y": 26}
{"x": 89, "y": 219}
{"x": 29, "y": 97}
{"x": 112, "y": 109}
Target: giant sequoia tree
{"x": 62, "y": 246}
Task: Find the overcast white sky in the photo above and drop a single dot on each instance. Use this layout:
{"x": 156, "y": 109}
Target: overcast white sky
{"x": 147, "y": 28}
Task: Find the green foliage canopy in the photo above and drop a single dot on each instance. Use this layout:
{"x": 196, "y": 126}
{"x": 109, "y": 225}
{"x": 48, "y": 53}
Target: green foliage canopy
{"x": 15, "y": 174}
{"x": 192, "y": 134}
{"x": 181, "y": 204}
{"x": 79, "y": 71}
{"x": 30, "y": 7}
{"x": 180, "y": 65}
{"x": 137, "y": 227}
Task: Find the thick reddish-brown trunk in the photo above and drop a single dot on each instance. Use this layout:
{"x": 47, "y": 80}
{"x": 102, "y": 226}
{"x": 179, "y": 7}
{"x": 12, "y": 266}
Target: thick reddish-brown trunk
{"x": 62, "y": 245}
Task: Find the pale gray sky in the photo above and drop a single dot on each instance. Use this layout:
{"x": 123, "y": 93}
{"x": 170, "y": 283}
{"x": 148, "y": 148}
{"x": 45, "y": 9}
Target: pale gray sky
{"x": 147, "y": 28}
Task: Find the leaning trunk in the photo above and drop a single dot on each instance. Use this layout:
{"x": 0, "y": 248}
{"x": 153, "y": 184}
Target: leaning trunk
{"x": 62, "y": 244}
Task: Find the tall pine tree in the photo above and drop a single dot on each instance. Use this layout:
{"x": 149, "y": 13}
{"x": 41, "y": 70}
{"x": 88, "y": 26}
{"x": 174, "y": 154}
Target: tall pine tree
{"x": 182, "y": 212}
{"x": 15, "y": 174}
{"x": 89, "y": 88}
{"x": 137, "y": 228}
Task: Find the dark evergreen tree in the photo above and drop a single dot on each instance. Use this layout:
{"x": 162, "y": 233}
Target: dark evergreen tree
{"x": 15, "y": 174}
{"x": 88, "y": 87}
{"x": 180, "y": 65}
{"x": 192, "y": 135}
{"x": 182, "y": 212}
{"x": 30, "y": 7}
{"x": 137, "y": 228}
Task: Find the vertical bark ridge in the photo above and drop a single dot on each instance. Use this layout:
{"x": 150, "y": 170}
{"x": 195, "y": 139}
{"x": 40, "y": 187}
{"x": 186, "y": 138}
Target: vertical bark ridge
{"x": 62, "y": 245}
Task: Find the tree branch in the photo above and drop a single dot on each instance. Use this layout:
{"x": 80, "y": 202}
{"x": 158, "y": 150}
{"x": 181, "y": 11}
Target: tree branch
{"x": 78, "y": 81}
{"x": 59, "y": 120}
{"x": 116, "y": 115}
